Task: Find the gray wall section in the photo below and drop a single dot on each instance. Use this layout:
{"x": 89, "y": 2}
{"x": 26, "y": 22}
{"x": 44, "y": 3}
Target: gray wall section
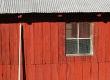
{"x": 53, "y": 6}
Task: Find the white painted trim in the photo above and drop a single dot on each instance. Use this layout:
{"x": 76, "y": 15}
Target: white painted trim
{"x": 85, "y": 54}
{"x": 19, "y": 54}
{"x": 92, "y": 38}
{"x": 77, "y": 38}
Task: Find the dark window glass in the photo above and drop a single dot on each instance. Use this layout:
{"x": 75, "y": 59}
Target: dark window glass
{"x": 71, "y": 30}
{"x": 84, "y": 30}
{"x": 84, "y": 46}
{"x": 71, "y": 46}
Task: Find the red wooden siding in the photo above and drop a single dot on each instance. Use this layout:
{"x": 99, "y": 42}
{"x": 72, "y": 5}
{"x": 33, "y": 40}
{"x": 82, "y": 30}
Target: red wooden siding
{"x": 9, "y": 51}
{"x": 45, "y": 40}
{"x": 44, "y": 49}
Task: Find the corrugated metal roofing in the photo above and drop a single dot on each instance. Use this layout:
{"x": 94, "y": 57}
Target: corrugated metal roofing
{"x": 54, "y": 6}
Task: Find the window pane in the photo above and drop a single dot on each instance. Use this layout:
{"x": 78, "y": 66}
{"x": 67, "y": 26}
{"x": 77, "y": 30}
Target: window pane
{"x": 69, "y": 33}
{"x": 68, "y": 26}
{"x": 71, "y": 30}
{"x": 84, "y": 46}
{"x": 84, "y": 30}
{"x": 71, "y": 46}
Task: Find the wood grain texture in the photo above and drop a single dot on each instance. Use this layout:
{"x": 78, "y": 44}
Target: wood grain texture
{"x": 107, "y": 42}
{"x": 28, "y": 43}
{"x": 107, "y": 71}
{"x": 39, "y": 72}
{"x": 5, "y": 44}
{"x": 70, "y": 71}
{"x": 54, "y": 42}
{"x": 30, "y": 72}
{"x": 14, "y": 69}
{"x": 46, "y": 43}
{"x": 13, "y": 43}
{"x": 1, "y": 78}
{"x": 102, "y": 71}
{"x": 9, "y": 37}
{"x": 78, "y": 71}
{"x": 54, "y": 72}
{"x": 0, "y": 45}
{"x": 46, "y": 72}
{"x": 94, "y": 71}
{"x": 86, "y": 71}
{"x": 61, "y": 43}
{"x": 62, "y": 69}
{"x": 38, "y": 42}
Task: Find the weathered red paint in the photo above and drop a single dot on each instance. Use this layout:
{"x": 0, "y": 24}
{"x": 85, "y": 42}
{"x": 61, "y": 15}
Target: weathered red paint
{"x": 51, "y": 54}
{"x": 44, "y": 49}
{"x": 9, "y": 37}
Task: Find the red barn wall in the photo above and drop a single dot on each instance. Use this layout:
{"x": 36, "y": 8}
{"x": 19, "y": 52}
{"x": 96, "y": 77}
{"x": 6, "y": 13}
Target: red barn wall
{"x": 45, "y": 53}
{"x": 9, "y": 51}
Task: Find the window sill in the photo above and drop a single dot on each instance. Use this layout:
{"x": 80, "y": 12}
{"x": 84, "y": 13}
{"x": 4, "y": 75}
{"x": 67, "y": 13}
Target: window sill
{"x": 91, "y": 54}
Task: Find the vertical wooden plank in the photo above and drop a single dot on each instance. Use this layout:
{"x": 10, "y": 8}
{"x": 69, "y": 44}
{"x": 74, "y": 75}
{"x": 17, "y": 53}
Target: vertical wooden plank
{"x": 54, "y": 72}
{"x": 38, "y": 41}
{"x": 14, "y": 46}
{"x": 61, "y": 43}
{"x": 5, "y": 43}
{"x": 0, "y": 46}
{"x": 14, "y": 72}
{"x": 102, "y": 71}
{"x": 6, "y": 72}
{"x": 100, "y": 47}
{"x": 70, "y": 71}
{"x": 28, "y": 43}
{"x": 87, "y": 71}
{"x": 46, "y": 42}
{"x": 54, "y": 42}
{"x": 1, "y": 72}
{"x": 46, "y": 72}
{"x": 14, "y": 43}
{"x": 107, "y": 71}
{"x": 11, "y": 72}
{"x": 30, "y": 72}
{"x": 94, "y": 71}
{"x": 5, "y": 51}
{"x": 0, "y": 54}
{"x": 107, "y": 43}
{"x": 39, "y": 72}
{"x": 78, "y": 71}
{"x": 62, "y": 71}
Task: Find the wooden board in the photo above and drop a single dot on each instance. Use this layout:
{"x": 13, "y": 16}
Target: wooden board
{"x": 38, "y": 42}
{"x": 46, "y": 43}
{"x": 28, "y": 43}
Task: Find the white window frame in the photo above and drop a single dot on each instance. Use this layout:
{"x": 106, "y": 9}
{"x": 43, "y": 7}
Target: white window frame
{"x": 91, "y": 42}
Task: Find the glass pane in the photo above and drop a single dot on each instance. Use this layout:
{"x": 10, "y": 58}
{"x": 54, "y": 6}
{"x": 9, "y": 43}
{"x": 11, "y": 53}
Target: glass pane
{"x": 69, "y": 33}
{"x": 71, "y": 30}
{"x": 68, "y": 26}
{"x": 84, "y": 46}
{"x": 84, "y": 30}
{"x": 71, "y": 46}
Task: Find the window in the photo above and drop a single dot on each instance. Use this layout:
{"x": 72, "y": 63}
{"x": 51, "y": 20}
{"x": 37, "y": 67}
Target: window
{"x": 79, "y": 38}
